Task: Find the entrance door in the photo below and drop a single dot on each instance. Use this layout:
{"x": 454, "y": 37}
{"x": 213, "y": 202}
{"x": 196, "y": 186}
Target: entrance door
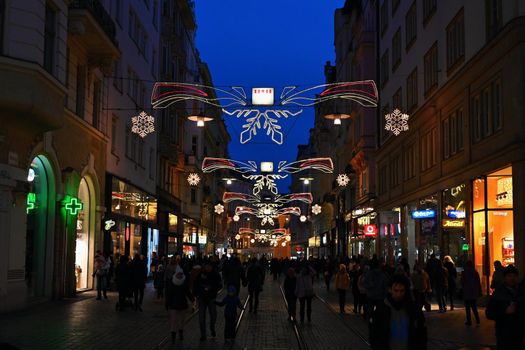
{"x": 83, "y": 238}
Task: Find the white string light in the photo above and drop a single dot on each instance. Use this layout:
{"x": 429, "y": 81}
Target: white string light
{"x": 194, "y": 179}
{"x": 396, "y": 122}
{"x": 143, "y": 124}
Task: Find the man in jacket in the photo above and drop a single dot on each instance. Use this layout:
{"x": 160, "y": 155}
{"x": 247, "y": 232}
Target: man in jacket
{"x": 206, "y": 286}
{"x": 255, "y": 280}
{"x": 397, "y": 324}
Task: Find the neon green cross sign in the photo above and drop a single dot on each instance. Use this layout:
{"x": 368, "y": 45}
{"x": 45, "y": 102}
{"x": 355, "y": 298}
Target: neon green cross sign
{"x": 31, "y": 202}
{"x": 465, "y": 246}
{"x": 73, "y": 205}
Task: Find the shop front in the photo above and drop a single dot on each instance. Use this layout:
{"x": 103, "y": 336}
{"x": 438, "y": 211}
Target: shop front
{"x": 134, "y": 216}
{"x": 492, "y": 222}
{"x": 426, "y": 217}
{"x": 392, "y": 244}
{"x": 190, "y": 238}
{"x": 364, "y": 233}
{"x": 454, "y": 229}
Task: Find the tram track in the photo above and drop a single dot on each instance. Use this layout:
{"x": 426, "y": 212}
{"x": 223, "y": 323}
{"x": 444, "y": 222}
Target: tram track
{"x": 300, "y": 341}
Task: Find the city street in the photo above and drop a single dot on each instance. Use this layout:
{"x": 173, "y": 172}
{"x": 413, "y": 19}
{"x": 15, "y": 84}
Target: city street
{"x": 91, "y": 324}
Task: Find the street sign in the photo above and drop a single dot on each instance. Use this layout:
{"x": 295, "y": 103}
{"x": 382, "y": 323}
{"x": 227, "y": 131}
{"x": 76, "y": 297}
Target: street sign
{"x": 389, "y": 217}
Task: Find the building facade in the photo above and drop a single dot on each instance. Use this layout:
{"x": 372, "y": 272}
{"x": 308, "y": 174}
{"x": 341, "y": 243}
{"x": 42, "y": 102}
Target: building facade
{"x": 454, "y": 176}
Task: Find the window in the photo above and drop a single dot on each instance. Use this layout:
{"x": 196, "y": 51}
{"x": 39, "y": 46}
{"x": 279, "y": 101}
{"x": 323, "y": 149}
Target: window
{"x": 396, "y": 166}
{"x": 49, "y": 39}
{"x": 411, "y": 25}
{"x": 431, "y": 69}
{"x": 384, "y": 68}
{"x": 128, "y": 140}
{"x": 395, "y": 5}
{"x": 151, "y": 163}
{"x": 114, "y": 121}
{"x": 154, "y": 63}
{"x": 133, "y": 153}
{"x": 117, "y": 75}
{"x": 97, "y": 93}
{"x": 397, "y": 100}
{"x": 131, "y": 22}
{"x": 453, "y": 133}
{"x": 193, "y": 196}
{"x": 476, "y": 118}
{"x": 194, "y": 140}
{"x": 455, "y": 41}
{"x": 166, "y": 8}
{"x": 429, "y": 8}
{"x": 2, "y": 23}
{"x": 68, "y": 60}
{"x": 412, "y": 90}
{"x": 384, "y": 16}
{"x": 384, "y": 133}
{"x": 141, "y": 152}
{"x": 410, "y": 162}
{"x": 81, "y": 90}
{"x": 493, "y": 18}
{"x": 155, "y": 15}
{"x": 383, "y": 179}
{"x": 428, "y": 150}
{"x": 396, "y": 50}
{"x": 496, "y": 105}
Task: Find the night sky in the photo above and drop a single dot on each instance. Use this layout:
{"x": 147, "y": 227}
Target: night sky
{"x": 272, "y": 43}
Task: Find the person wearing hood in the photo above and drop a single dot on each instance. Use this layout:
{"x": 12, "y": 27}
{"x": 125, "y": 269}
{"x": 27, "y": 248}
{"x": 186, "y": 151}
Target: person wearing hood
{"x": 396, "y": 323}
{"x": 177, "y": 295}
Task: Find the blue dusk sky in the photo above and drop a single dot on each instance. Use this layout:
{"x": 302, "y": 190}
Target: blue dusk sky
{"x": 272, "y": 43}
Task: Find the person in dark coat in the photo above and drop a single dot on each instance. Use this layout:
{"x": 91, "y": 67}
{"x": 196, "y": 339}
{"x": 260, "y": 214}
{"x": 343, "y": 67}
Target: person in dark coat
{"x": 290, "y": 282}
{"x": 397, "y": 323}
{"x": 233, "y": 274}
{"x": 158, "y": 281}
{"x": 177, "y": 295}
{"x": 503, "y": 308}
{"x": 471, "y": 285}
{"x": 255, "y": 281}
{"x": 205, "y": 287}
{"x": 139, "y": 273}
{"x": 355, "y": 272}
{"x": 452, "y": 275}
{"x": 231, "y": 302}
{"x": 123, "y": 280}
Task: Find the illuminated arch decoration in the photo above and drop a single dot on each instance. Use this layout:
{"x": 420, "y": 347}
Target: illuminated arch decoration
{"x": 166, "y": 93}
{"x": 267, "y": 212}
{"x": 143, "y": 124}
{"x": 396, "y": 122}
{"x": 228, "y": 197}
{"x": 267, "y": 181}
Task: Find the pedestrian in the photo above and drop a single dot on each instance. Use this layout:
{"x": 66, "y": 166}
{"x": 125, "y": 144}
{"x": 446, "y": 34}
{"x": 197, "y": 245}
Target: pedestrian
{"x": 363, "y": 301}
{"x": 158, "y": 281}
{"x": 171, "y": 268}
{"x": 154, "y": 264}
{"x": 123, "y": 280}
{"x": 355, "y": 272}
{"x": 255, "y": 281}
{"x": 139, "y": 274}
{"x": 396, "y": 322}
{"x": 471, "y": 285}
{"x": 304, "y": 290}
{"x": 503, "y": 309}
{"x": 421, "y": 287}
{"x": 231, "y": 302}
{"x": 497, "y": 276}
{"x": 290, "y": 282}
{"x": 376, "y": 284}
{"x": 205, "y": 287}
{"x": 177, "y": 295}
{"x": 342, "y": 283}
{"x": 101, "y": 272}
{"x": 327, "y": 274}
{"x": 233, "y": 274}
{"x": 452, "y": 275}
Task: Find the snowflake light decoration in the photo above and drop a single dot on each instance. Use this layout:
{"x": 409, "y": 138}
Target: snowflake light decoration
{"x": 143, "y": 124}
{"x": 219, "y": 209}
{"x": 342, "y": 180}
{"x": 194, "y": 179}
{"x": 316, "y": 209}
{"x": 396, "y": 122}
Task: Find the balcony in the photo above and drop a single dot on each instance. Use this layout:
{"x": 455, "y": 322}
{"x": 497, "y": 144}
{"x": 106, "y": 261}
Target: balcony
{"x": 93, "y": 27}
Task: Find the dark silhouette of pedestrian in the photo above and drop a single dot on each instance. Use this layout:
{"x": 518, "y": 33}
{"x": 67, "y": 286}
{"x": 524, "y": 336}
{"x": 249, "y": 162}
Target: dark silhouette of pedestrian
{"x": 471, "y": 285}
{"x": 290, "y": 282}
{"x": 177, "y": 295}
{"x": 255, "y": 280}
{"x": 123, "y": 280}
{"x": 139, "y": 274}
{"x": 304, "y": 290}
{"x": 231, "y": 302}
{"x": 205, "y": 287}
{"x": 342, "y": 284}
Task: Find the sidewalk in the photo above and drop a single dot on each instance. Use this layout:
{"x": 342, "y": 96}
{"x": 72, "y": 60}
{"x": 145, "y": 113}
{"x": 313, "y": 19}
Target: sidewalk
{"x": 446, "y": 331}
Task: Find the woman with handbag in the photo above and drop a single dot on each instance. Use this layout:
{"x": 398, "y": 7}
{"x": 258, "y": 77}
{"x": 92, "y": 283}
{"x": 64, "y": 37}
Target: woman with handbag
{"x": 304, "y": 290}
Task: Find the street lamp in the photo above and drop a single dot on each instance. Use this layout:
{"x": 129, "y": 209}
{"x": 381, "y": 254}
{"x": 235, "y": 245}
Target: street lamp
{"x": 306, "y": 180}
{"x": 200, "y": 119}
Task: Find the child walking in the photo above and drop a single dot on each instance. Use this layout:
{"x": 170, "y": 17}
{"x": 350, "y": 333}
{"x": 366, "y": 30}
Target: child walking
{"x": 231, "y": 303}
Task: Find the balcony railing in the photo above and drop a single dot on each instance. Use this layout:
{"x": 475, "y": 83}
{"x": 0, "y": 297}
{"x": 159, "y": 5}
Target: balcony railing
{"x": 100, "y": 14}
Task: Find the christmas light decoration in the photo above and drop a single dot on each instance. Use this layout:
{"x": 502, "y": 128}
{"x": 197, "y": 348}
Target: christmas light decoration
{"x": 237, "y": 236}
{"x": 396, "y": 122}
{"x": 283, "y": 244}
{"x": 246, "y": 231}
{"x": 302, "y": 218}
{"x": 219, "y": 209}
{"x": 316, "y": 209}
{"x": 143, "y": 124}
{"x": 342, "y": 180}
{"x": 194, "y": 179}
{"x": 236, "y": 218}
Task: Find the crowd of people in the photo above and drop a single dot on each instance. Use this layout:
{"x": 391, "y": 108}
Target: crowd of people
{"x": 391, "y": 297}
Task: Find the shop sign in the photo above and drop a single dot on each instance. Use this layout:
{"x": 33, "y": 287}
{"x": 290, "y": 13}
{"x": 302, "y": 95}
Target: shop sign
{"x": 299, "y": 249}
{"x": 262, "y": 96}
{"x": 370, "y": 230}
{"x": 389, "y": 217}
{"x": 423, "y": 214}
{"x": 453, "y": 223}
{"x": 464, "y": 247}
{"x": 108, "y": 224}
{"x": 202, "y": 239}
{"x": 456, "y": 214}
